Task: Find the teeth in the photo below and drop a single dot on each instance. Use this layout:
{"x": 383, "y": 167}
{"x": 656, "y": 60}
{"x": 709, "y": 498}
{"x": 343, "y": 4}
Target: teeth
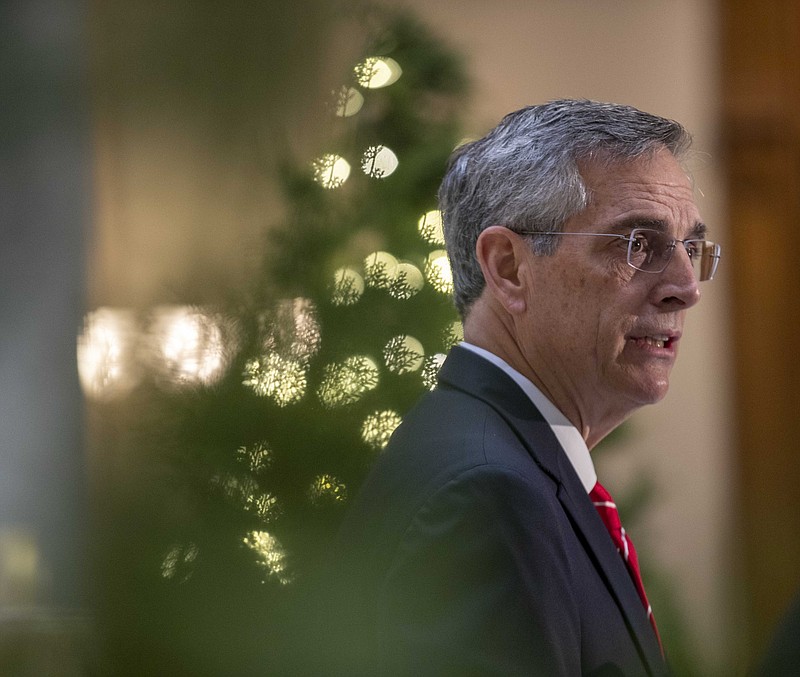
{"x": 657, "y": 341}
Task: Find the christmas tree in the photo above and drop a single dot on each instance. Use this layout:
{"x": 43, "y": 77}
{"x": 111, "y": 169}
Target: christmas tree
{"x": 264, "y": 416}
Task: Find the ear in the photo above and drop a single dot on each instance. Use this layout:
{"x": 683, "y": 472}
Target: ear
{"x": 503, "y": 257}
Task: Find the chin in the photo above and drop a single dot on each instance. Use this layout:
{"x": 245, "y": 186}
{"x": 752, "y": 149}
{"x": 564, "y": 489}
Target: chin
{"x": 644, "y": 391}
{"x": 654, "y": 392}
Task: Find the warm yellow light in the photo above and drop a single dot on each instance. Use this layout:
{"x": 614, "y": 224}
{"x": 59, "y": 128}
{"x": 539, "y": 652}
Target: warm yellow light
{"x": 403, "y": 354}
{"x": 348, "y": 102}
{"x": 177, "y": 563}
{"x": 347, "y": 382}
{"x": 348, "y": 286}
{"x": 376, "y": 72}
{"x": 379, "y": 162}
{"x": 378, "y": 427}
{"x": 292, "y": 330}
{"x": 331, "y": 170}
{"x": 258, "y": 457}
{"x": 380, "y": 269}
{"x": 430, "y": 227}
{"x": 453, "y": 334}
{"x": 271, "y": 555}
{"x": 284, "y": 380}
{"x": 408, "y": 280}
{"x": 189, "y": 345}
{"x": 430, "y": 369}
{"x": 105, "y": 353}
{"x": 438, "y": 273}
{"x": 326, "y": 488}
{"x": 234, "y": 487}
{"x": 264, "y": 506}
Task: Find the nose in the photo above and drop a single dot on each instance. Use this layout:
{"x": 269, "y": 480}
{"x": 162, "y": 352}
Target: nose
{"x": 677, "y": 287}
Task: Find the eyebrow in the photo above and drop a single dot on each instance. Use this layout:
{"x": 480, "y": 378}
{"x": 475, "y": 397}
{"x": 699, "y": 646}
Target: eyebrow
{"x": 698, "y": 231}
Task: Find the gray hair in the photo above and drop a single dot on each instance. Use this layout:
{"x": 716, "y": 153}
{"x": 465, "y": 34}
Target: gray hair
{"x": 524, "y": 175}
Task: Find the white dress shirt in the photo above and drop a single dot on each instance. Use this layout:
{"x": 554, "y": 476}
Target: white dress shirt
{"x": 571, "y": 441}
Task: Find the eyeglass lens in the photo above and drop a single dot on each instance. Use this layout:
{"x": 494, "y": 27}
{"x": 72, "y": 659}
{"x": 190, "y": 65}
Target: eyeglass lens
{"x": 651, "y": 250}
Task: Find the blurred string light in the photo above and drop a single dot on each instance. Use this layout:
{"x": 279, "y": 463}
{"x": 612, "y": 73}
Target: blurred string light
{"x": 234, "y": 487}
{"x": 327, "y": 489}
{"x": 188, "y": 346}
{"x": 177, "y": 563}
{"x": 430, "y": 227}
{"x": 243, "y": 492}
{"x": 375, "y": 72}
{"x": 106, "y": 353}
{"x": 347, "y": 288}
{"x": 292, "y": 329}
{"x": 264, "y": 505}
{"x": 403, "y": 354}
{"x": 330, "y": 170}
{"x": 430, "y": 369}
{"x": 347, "y": 382}
{"x": 282, "y": 379}
{"x": 407, "y": 281}
{"x": 271, "y": 555}
{"x": 380, "y": 269}
{"x": 378, "y": 428}
{"x": 379, "y": 162}
{"x": 348, "y": 101}
{"x": 258, "y": 457}
{"x": 438, "y": 273}
{"x": 290, "y": 337}
{"x": 452, "y": 334}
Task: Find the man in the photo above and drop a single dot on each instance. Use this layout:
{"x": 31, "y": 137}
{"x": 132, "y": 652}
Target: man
{"x": 477, "y": 545}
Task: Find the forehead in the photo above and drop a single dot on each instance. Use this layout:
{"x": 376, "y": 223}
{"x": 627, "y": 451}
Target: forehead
{"x": 651, "y": 189}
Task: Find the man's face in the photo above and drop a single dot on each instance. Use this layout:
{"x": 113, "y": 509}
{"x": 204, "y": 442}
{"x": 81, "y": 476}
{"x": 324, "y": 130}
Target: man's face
{"x": 601, "y": 336}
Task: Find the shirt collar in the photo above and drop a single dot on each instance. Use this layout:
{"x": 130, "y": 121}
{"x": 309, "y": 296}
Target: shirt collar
{"x": 567, "y": 434}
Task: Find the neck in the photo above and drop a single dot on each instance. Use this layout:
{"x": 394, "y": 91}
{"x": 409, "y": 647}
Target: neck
{"x": 593, "y": 417}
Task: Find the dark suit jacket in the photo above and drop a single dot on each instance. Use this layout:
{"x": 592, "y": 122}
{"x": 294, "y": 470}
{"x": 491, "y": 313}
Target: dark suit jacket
{"x": 473, "y": 549}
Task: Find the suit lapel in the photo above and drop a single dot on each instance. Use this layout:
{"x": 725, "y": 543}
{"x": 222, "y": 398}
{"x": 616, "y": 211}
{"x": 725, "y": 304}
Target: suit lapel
{"x": 473, "y": 374}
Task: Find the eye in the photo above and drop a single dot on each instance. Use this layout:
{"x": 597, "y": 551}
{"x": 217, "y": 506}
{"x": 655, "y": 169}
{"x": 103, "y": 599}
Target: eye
{"x": 638, "y": 243}
{"x": 694, "y": 248}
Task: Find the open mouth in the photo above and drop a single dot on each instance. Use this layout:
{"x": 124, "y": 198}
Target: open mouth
{"x": 656, "y": 340}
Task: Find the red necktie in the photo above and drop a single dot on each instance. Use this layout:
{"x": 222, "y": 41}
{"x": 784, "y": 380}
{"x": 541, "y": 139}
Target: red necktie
{"x": 607, "y": 510}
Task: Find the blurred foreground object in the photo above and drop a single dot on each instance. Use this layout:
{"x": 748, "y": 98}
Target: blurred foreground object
{"x": 44, "y": 202}
{"x": 266, "y": 304}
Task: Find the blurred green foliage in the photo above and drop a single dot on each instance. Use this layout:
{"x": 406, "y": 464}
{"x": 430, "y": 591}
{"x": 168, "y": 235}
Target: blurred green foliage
{"x": 184, "y": 476}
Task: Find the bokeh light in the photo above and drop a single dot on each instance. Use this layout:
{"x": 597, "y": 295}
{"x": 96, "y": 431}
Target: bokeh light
{"x": 105, "y": 351}
{"x": 403, "y": 354}
{"x": 348, "y": 101}
{"x": 408, "y": 280}
{"x": 380, "y": 269}
{"x": 327, "y": 489}
{"x": 378, "y": 427}
{"x": 379, "y": 162}
{"x": 242, "y": 490}
{"x": 177, "y": 563}
{"x": 430, "y": 369}
{"x": 235, "y": 487}
{"x": 376, "y": 72}
{"x": 271, "y": 555}
{"x": 438, "y": 273}
{"x": 258, "y": 457}
{"x": 452, "y": 334}
{"x": 264, "y": 506}
{"x": 430, "y": 227}
{"x": 330, "y": 170}
{"x": 346, "y": 382}
{"x": 284, "y": 380}
{"x": 348, "y": 286}
{"x": 292, "y": 330}
{"x": 188, "y": 346}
